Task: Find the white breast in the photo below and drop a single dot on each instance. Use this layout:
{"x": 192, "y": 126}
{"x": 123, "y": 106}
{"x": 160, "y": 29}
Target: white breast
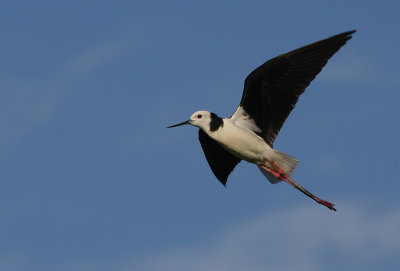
{"x": 242, "y": 142}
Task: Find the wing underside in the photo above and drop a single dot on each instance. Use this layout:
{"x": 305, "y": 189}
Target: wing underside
{"x": 219, "y": 159}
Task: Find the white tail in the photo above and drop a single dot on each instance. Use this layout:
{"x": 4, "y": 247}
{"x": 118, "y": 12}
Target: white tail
{"x": 271, "y": 178}
{"x": 285, "y": 162}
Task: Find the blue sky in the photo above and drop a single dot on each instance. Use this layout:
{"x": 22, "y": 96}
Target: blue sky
{"x": 90, "y": 179}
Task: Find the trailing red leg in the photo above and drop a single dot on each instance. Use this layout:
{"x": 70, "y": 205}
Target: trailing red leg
{"x": 279, "y": 173}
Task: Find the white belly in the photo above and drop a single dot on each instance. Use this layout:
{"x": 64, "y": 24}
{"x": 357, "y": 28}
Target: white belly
{"x": 243, "y": 143}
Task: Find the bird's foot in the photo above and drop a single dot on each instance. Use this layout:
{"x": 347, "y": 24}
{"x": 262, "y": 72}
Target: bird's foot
{"x": 325, "y": 203}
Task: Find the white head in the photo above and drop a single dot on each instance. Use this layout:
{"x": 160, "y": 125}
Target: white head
{"x": 201, "y": 119}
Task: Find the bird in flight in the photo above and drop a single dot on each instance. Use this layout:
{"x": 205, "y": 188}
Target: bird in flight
{"x": 270, "y": 93}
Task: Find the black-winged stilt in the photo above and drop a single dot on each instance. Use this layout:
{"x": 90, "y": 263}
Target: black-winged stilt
{"x": 270, "y": 93}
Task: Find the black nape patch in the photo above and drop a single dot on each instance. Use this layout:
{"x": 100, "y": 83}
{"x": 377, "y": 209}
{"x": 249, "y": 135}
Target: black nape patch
{"x": 215, "y": 123}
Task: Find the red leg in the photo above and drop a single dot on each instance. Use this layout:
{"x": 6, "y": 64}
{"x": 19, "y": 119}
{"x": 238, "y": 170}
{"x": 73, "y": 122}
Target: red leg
{"x": 280, "y": 174}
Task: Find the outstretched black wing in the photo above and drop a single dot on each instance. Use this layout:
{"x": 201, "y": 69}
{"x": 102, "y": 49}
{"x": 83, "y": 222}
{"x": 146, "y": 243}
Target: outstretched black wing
{"x": 220, "y": 160}
{"x": 272, "y": 90}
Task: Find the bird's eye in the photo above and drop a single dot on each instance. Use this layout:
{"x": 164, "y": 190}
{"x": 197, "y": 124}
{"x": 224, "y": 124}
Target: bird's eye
{"x": 199, "y": 116}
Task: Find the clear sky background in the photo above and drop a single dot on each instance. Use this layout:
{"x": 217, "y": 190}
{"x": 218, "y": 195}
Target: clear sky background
{"x": 90, "y": 178}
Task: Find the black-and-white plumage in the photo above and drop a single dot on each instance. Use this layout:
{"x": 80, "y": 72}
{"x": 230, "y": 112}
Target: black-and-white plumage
{"x": 270, "y": 93}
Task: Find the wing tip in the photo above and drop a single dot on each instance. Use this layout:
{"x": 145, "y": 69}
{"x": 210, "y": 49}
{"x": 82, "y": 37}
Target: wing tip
{"x": 343, "y": 36}
{"x": 348, "y": 34}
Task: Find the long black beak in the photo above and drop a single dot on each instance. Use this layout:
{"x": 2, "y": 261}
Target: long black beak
{"x": 179, "y": 124}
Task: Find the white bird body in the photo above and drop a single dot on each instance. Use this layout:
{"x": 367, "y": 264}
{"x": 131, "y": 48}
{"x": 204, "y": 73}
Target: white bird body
{"x": 270, "y": 93}
{"x": 244, "y": 143}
